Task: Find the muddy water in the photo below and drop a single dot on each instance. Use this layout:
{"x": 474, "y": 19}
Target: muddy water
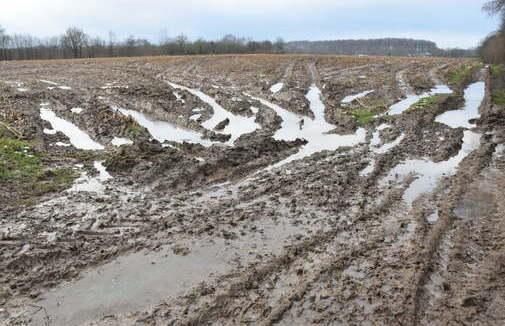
{"x": 429, "y": 173}
{"x": 139, "y": 280}
{"x": 120, "y": 141}
{"x": 276, "y": 88}
{"x": 376, "y": 148}
{"x": 238, "y": 125}
{"x": 315, "y": 131}
{"x": 164, "y": 131}
{"x": 474, "y": 96}
{"x": 78, "y": 138}
{"x": 85, "y": 183}
{"x": 351, "y": 98}
{"x": 411, "y": 99}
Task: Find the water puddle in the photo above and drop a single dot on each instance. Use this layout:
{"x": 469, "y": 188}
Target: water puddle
{"x": 351, "y": 98}
{"x": 429, "y": 173}
{"x": 474, "y": 96}
{"x": 143, "y": 279}
{"x": 164, "y": 131}
{"x": 85, "y": 183}
{"x": 238, "y": 125}
{"x": 315, "y": 131}
{"x": 48, "y": 82}
{"x": 78, "y": 138}
{"x": 411, "y": 99}
{"x": 119, "y": 141}
{"x": 369, "y": 168}
{"x": 277, "y": 88}
{"x": 376, "y": 148}
{"x": 389, "y": 146}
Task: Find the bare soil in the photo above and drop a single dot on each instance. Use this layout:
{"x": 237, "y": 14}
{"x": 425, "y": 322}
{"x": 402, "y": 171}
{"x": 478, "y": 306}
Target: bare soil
{"x": 187, "y": 234}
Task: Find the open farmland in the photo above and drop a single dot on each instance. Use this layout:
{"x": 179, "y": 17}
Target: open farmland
{"x": 252, "y": 189}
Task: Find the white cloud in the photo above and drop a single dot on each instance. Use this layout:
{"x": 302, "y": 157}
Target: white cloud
{"x": 214, "y": 18}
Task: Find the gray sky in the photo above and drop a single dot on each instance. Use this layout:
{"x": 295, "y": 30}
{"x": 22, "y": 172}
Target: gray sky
{"x": 450, "y": 23}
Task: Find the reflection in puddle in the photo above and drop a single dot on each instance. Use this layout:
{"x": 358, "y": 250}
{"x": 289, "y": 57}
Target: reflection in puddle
{"x": 85, "y": 183}
{"x": 351, "y": 98}
{"x": 314, "y": 131}
{"x": 164, "y": 131}
{"x": 276, "y": 88}
{"x": 139, "y": 280}
{"x": 474, "y": 96}
{"x": 119, "y": 141}
{"x": 411, "y": 99}
{"x": 77, "y": 137}
{"x": 238, "y": 125}
{"x": 428, "y": 172}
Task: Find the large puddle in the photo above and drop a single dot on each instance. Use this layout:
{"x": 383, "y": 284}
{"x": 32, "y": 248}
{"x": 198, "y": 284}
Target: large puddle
{"x": 411, "y": 99}
{"x": 78, "y": 138}
{"x": 474, "y": 96}
{"x": 137, "y": 281}
{"x": 164, "y": 131}
{"x": 429, "y": 173}
{"x": 315, "y": 131}
{"x": 237, "y": 126}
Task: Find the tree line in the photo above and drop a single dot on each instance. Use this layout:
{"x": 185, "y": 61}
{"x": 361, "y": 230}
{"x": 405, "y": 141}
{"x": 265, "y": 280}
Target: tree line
{"x": 384, "y": 46}
{"x": 75, "y": 43}
{"x": 492, "y": 49}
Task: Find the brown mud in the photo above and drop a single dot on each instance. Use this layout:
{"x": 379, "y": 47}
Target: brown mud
{"x": 187, "y": 234}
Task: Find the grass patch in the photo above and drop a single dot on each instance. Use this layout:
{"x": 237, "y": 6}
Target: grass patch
{"x": 363, "y": 116}
{"x": 17, "y": 162}
{"x": 426, "y": 102}
{"x": 498, "y": 97}
{"x": 134, "y": 130}
{"x": 55, "y": 180}
{"x": 463, "y": 74}
{"x": 24, "y": 176}
{"x": 496, "y": 70}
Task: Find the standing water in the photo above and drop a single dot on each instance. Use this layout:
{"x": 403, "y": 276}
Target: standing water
{"x": 474, "y": 96}
{"x": 76, "y": 136}
{"x": 238, "y": 125}
{"x": 164, "y": 131}
{"x": 314, "y": 131}
{"x": 411, "y": 99}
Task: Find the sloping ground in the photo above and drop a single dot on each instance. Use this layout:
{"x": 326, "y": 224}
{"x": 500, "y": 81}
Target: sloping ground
{"x": 400, "y": 225}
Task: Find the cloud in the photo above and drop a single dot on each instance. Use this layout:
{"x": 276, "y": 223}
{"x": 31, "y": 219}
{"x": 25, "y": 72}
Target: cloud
{"x": 308, "y": 19}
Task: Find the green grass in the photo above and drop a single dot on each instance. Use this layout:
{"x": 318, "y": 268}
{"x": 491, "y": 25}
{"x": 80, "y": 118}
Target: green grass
{"x": 23, "y": 173}
{"x": 426, "y": 102}
{"x": 134, "y": 130}
{"x": 497, "y": 70}
{"x": 499, "y": 97}
{"x": 55, "y": 180}
{"x": 464, "y": 74}
{"x": 363, "y": 116}
{"x": 17, "y": 162}
{"x": 460, "y": 75}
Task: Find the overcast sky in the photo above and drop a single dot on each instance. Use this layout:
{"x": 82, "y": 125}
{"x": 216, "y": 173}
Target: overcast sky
{"x": 450, "y": 23}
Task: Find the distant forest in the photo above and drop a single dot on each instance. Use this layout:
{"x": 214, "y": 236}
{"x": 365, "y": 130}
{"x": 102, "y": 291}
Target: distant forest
{"x": 75, "y": 43}
{"x": 386, "y": 46}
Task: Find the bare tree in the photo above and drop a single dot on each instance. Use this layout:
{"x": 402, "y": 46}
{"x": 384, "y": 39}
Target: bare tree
{"x": 496, "y": 7}
{"x": 4, "y": 44}
{"x": 75, "y": 40}
{"x": 279, "y": 45}
{"x": 181, "y": 42}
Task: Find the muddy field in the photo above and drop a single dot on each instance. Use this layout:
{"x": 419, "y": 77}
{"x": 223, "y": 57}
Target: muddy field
{"x": 290, "y": 190}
